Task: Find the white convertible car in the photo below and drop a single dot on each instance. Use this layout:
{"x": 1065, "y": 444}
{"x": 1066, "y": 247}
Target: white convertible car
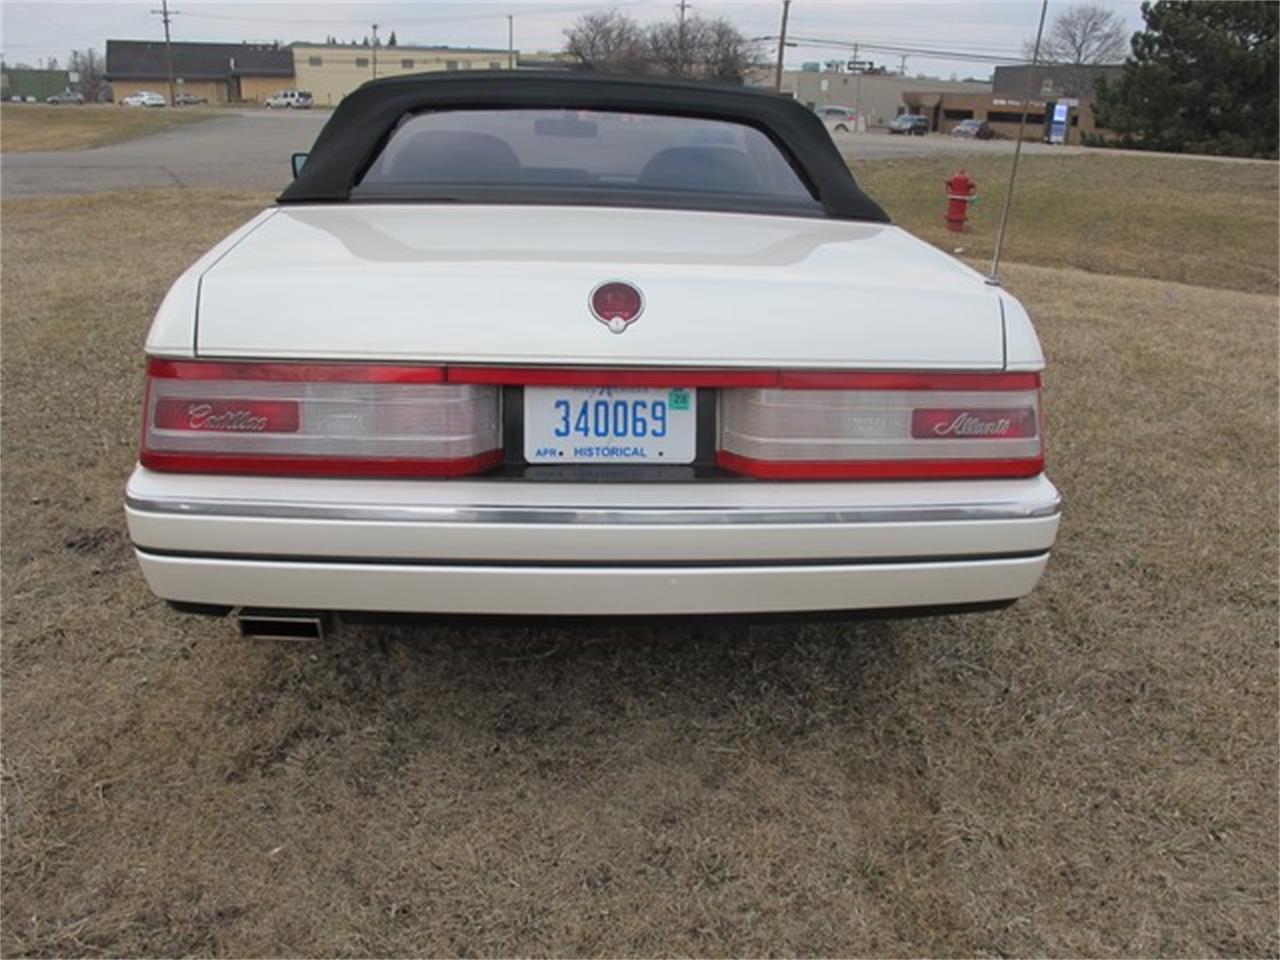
{"x": 560, "y": 345}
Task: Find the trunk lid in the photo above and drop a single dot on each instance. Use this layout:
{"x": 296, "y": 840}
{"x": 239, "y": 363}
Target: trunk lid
{"x": 511, "y": 284}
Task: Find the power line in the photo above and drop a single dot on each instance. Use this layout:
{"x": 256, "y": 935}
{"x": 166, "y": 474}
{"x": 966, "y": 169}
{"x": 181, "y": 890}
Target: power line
{"x": 545, "y": 11}
{"x": 926, "y": 53}
{"x": 997, "y": 49}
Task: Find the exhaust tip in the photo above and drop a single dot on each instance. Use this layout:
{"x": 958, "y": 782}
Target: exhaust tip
{"x": 254, "y": 624}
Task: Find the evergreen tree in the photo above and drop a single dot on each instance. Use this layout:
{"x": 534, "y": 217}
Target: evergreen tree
{"x": 1203, "y": 78}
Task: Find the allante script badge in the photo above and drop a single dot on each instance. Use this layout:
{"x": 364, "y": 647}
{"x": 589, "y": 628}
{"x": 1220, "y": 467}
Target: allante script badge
{"x": 967, "y": 425}
{"x": 1007, "y": 423}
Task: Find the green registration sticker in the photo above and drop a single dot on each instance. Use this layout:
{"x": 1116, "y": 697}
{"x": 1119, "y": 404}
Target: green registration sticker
{"x": 678, "y": 399}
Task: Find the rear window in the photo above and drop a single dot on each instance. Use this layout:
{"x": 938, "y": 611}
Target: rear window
{"x": 588, "y": 154}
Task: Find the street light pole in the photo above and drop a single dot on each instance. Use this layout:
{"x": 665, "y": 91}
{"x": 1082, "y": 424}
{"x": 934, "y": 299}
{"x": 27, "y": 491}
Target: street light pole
{"x": 782, "y": 46}
{"x": 511, "y": 42}
{"x": 375, "y": 51}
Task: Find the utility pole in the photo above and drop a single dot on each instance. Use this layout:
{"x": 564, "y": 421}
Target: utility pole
{"x": 511, "y": 42}
{"x": 857, "y": 87}
{"x": 165, "y": 15}
{"x": 683, "y": 5}
{"x": 782, "y": 46}
{"x": 375, "y": 51}
{"x": 902, "y": 65}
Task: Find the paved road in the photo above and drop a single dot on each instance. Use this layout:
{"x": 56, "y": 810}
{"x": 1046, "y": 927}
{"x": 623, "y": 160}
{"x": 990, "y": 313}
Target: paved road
{"x": 244, "y": 150}
{"x": 250, "y": 149}
{"x": 878, "y": 145}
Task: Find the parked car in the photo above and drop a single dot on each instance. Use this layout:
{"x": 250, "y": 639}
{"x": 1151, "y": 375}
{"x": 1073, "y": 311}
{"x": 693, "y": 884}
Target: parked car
{"x": 290, "y": 99}
{"x": 838, "y": 119}
{"x": 910, "y": 124}
{"x": 66, "y": 96}
{"x": 188, "y": 100}
{"x": 973, "y": 130}
{"x": 538, "y": 344}
{"x": 143, "y": 98}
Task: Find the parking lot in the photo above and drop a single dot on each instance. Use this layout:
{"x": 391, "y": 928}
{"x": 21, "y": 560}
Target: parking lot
{"x": 241, "y": 149}
{"x": 1093, "y": 772}
{"x": 250, "y": 149}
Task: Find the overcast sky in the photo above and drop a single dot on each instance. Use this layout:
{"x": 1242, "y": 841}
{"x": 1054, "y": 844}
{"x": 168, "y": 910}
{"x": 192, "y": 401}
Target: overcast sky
{"x": 34, "y": 31}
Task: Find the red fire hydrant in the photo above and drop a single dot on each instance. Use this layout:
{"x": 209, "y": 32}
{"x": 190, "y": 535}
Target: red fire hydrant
{"x": 959, "y": 195}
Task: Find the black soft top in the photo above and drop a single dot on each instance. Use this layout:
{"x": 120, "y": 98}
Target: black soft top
{"x": 361, "y": 124}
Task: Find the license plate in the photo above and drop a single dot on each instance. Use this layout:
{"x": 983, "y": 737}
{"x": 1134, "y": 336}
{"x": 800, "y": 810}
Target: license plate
{"x": 610, "y": 425}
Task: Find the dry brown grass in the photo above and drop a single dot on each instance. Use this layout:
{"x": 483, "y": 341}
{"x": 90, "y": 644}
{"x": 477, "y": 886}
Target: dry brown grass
{"x": 1201, "y": 222}
{"x": 1093, "y": 772}
{"x": 26, "y": 127}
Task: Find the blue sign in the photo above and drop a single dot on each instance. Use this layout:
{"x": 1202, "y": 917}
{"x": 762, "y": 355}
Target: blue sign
{"x": 1058, "y": 125}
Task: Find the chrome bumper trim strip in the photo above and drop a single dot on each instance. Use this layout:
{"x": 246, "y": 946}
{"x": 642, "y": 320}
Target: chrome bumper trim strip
{"x": 612, "y": 516}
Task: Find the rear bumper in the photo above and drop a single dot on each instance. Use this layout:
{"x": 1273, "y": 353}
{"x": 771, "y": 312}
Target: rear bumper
{"x": 518, "y": 548}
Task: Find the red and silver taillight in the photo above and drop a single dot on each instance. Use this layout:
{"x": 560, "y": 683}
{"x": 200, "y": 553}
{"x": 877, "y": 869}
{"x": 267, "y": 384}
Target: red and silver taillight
{"x": 316, "y": 420}
{"x": 884, "y": 426}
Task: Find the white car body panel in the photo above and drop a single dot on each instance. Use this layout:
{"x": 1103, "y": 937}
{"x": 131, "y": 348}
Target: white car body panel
{"x": 1022, "y": 346}
{"x": 469, "y": 519}
{"x": 588, "y": 549}
{"x": 173, "y": 331}
{"x": 588, "y": 591}
{"x": 498, "y": 284}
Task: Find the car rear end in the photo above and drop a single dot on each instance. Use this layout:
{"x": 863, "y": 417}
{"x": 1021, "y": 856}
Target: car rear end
{"x": 747, "y": 444}
{"x": 586, "y": 409}
{"x": 421, "y": 489}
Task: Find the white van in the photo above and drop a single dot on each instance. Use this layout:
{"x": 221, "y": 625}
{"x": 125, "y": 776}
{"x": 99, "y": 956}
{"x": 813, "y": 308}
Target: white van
{"x": 292, "y": 99}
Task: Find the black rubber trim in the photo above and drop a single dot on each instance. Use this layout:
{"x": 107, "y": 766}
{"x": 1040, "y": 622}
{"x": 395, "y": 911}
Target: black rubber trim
{"x": 673, "y": 619}
{"x": 367, "y": 618}
{"x": 581, "y": 564}
{"x": 200, "y": 609}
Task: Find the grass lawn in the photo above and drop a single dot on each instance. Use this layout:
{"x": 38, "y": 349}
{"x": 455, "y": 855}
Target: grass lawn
{"x": 1093, "y": 772}
{"x": 1193, "y": 221}
{"x": 29, "y": 126}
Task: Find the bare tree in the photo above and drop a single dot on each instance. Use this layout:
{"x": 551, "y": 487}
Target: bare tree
{"x": 700, "y": 48}
{"x": 728, "y": 55}
{"x": 89, "y": 66}
{"x": 609, "y": 42}
{"x": 1083, "y": 34}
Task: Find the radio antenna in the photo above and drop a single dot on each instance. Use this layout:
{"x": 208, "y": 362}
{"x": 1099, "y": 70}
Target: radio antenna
{"x": 994, "y": 278}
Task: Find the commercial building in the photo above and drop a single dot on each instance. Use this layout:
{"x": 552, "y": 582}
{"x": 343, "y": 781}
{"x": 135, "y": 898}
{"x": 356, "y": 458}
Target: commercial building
{"x": 24, "y": 82}
{"x": 218, "y": 72}
{"x": 878, "y": 97}
{"x": 1067, "y": 88}
{"x": 330, "y": 71}
{"x": 1053, "y": 81}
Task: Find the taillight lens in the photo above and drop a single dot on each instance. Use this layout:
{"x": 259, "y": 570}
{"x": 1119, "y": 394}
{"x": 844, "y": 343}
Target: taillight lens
{"x": 890, "y": 426}
{"x": 316, "y": 420}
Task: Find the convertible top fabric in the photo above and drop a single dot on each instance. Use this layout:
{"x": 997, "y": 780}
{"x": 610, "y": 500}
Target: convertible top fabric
{"x": 361, "y": 124}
